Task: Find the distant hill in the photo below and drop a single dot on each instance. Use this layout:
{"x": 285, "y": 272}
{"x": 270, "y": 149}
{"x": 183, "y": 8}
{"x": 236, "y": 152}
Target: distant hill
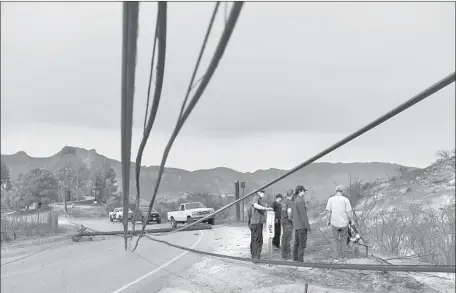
{"x": 319, "y": 178}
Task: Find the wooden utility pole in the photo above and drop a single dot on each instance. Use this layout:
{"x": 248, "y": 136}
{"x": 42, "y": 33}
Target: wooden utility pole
{"x": 236, "y": 195}
{"x": 242, "y": 202}
{"x": 66, "y": 188}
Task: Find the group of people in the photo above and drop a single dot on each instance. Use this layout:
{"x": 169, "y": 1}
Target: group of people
{"x": 291, "y": 217}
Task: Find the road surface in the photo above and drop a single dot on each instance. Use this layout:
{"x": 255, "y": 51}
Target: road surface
{"x": 103, "y": 265}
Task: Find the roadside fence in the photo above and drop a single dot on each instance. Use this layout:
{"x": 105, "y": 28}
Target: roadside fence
{"x": 14, "y": 225}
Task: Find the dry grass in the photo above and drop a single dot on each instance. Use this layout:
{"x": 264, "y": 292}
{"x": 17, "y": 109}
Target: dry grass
{"x": 205, "y": 276}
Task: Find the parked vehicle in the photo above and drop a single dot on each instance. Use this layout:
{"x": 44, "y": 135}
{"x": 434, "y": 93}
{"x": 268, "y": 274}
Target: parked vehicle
{"x": 117, "y": 215}
{"x": 189, "y": 212}
{"x": 154, "y": 215}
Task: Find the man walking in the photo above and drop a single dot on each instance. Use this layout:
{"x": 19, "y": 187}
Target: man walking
{"x": 287, "y": 225}
{"x": 277, "y": 207}
{"x": 339, "y": 214}
{"x": 300, "y": 223}
{"x": 256, "y": 224}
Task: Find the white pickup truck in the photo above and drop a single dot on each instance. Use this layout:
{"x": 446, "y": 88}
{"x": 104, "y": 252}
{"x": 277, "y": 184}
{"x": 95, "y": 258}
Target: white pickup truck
{"x": 189, "y": 212}
{"x": 117, "y": 214}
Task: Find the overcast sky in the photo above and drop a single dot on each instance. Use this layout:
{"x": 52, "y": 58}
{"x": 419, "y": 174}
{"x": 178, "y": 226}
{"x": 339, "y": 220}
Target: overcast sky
{"x": 296, "y": 77}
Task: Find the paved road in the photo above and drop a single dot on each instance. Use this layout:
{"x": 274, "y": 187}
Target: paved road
{"x": 103, "y": 265}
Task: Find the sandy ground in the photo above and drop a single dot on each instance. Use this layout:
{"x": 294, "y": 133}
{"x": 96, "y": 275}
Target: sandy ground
{"x": 222, "y": 275}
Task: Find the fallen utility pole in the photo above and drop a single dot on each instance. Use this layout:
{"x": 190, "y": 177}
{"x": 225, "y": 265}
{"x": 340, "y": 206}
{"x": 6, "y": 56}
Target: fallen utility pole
{"x": 149, "y": 231}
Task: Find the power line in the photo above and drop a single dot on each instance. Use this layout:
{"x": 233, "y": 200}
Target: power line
{"x": 368, "y": 267}
{"x": 221, "y": 46}
{"x": 151, "y": 70}
{"x": 161, "y": 35}
{"x": 130, "y": 35}
{"x": 404, "y": 106}
{"x": 365, "y": 267}
{"x": 195, "y": 70}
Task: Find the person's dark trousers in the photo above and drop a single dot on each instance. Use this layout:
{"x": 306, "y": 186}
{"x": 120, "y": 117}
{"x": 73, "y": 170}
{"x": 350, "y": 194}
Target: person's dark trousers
{"x": 286, "y": 238}
{"x": 256, "y": 240}
{"x": 276, "y": 239}
{"x": 299, "y": 244}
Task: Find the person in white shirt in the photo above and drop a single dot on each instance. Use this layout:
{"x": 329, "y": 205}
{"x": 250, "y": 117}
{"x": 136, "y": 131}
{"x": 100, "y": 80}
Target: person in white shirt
{"x": 339, "y": 215}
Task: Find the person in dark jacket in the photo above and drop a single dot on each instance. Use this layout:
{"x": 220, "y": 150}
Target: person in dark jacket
{"x": 300, "y": 223}
{"x": 287, "y": 225}
{"x": 259, "y": 207}
{"x": 277, "y": 207}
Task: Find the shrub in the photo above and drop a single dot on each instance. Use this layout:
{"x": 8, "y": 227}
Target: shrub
{"x": 425, "y": 232}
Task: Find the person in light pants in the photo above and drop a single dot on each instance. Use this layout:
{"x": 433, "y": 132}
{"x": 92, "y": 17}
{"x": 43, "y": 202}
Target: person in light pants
{"x": 339, "y": 215}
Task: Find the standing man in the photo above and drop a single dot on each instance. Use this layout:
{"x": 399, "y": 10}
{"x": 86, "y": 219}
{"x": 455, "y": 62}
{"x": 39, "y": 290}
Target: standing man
{"x": 257, "y": 219}
{"x": 277, "y": 207}
{"x": 300, "y": 223}
{"x": 287, "y": 225}
{"x": 339, "y": 215}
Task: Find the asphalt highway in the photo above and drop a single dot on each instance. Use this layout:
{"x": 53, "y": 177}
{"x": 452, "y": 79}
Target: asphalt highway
{"x": 102, "y": 265}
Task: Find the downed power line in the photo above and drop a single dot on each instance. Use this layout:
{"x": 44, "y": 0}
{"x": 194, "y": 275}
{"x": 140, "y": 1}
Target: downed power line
{"x": 402, "y": 107}
{"x": 218, "y": 54}
{"x": 130, "y": 35}
{"x": 365, "y": 267}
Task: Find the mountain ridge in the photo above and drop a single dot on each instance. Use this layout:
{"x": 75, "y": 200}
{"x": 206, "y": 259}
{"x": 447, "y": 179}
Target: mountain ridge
{"x": 319, "y": 177}
{"x": 204, "y": 169}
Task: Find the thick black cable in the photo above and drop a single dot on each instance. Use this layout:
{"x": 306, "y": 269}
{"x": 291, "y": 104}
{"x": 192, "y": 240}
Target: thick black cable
{"x": 229, "y": 28}
{"x": 365, "y": 267}
{"x": 161, "y": 36}
{"x": 151, "y": 74}
{"x": 407, "y": 104}
{"x": 198, "y": 61}
{"x": 130, "y": 35}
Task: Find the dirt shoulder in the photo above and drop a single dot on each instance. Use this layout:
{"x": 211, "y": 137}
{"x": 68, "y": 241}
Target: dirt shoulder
{"x": 222, "y": 275}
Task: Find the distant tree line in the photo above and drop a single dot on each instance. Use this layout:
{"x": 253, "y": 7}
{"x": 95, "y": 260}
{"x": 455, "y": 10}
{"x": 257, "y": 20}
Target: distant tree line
{"x": 72, "y": 180}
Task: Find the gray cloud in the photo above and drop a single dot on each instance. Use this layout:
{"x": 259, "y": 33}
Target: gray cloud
{"x": 289, "y": 66}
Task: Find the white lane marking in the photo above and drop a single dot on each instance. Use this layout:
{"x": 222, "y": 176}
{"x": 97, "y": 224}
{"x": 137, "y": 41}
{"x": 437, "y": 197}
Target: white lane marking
{"x": 160, "y": 267}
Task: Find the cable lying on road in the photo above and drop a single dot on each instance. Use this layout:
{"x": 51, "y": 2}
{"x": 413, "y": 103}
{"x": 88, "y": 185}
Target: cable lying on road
{"x": 364, "y": 267}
